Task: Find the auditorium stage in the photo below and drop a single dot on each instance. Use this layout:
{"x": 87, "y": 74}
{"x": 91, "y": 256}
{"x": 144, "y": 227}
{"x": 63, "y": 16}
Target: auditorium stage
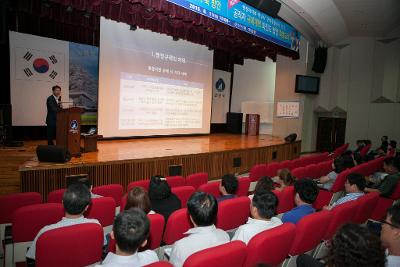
{"x": 123, "y": 161}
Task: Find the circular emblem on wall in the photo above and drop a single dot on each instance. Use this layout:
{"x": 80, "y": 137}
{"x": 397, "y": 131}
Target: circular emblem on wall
{"x": 73, "y": 125}
{"x": 220, "y": 85}
{"x": 41, "y": 65}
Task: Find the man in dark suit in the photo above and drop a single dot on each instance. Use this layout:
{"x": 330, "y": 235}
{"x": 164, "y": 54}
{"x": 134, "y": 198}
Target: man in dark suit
{"x": 53, "y": 104}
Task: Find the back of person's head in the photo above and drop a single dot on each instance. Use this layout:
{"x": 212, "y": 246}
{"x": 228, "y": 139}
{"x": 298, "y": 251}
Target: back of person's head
{"x": 354, "y": 245}
{"x": 357, "y": 179}
{"x": 203, "y": 208}
{"x": 131, "y": 230}
{"x": 394, "y": 213}
{"x": 367, "y": 142}
{"x": 230, "y": 183}
{"x": 384, "y": 138}
{"x": 159, "y": 188}
{"x": 264, "y": 184}
{"x": 138, "y": 198}
{"x": 307, "y": 190}
{"x": 86, "y": 181}
{"x": 348, "y": 161}
{"x": 266, "y": 204}
{"x": 393, "y": 163}
{"x": 76, "y": 199}
{"x": 393, "y": 144}
{"x": 286, "y": 176}
{"x": 339, "y": 164}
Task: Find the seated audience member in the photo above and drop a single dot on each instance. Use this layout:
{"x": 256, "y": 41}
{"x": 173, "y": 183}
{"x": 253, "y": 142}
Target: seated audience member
{"x": 359, "y": 145}
{"x": 353, "y": 245}
{"x": 327, "y": 181}
{"x": 306, "y": 192}
{"x": 354, "y": 187}
{"x": 162, "y": 200}
{"x": 385, "y": 143}
{"x": 389, "y": 181}
{"x": 348, "y": 159}
{"x": 228, "y": 187}
{"x": 392, "y": 148}
{"x": 285, "y": 179}
{"x": 88, "y": 183}
{"x": 138, "y": 198}
{"x": 76, "y": 201}
{"x": 264, "y": 184}
{"x": 262, "y": 210}
{"x": 130, "y": 230}
{"x": 202, "y": 208}
{"x": 390, "y": 235}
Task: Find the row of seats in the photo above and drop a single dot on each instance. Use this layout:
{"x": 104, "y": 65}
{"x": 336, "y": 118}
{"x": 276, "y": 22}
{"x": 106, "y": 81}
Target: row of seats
{"x": 272, "y": 246}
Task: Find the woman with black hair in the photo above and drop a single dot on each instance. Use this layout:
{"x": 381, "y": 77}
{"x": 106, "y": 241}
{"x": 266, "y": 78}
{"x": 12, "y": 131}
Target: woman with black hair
{"x": 163, "y": 201}
{"x": 327, "y": 181}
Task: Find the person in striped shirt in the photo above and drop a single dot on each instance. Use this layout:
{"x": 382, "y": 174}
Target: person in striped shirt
{"x": 354, "y": 187}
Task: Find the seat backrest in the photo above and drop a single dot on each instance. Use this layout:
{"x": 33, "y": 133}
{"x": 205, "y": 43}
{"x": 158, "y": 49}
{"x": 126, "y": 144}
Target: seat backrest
{"x": 124, "y": 199}
{"x": 157, "y": 223}
{"x": 197, "y": 179}
{"x": 210, "y": 188}
{"x": 338, "y": 185}
{"x": 27, "y": 221}
{"x": 270, "y": 246}
{"x": 102, "y": 209}
{"x": 272, "y": 169}
{"x": 340, "y": 214}
{"x": 12, "y": 202}
{"x": 300, "y": 173}
{"x": 311, "y": 171}
{"x": 178, "y": 223}
{"x": 286, "y": 201}
{"x": 243, "y": 188}
{"x": 258, "y": 171}
{"x": 323, "y": 199}
{"x": 396, "y": 193}
{"x": 233, "y": 212}
{"x": 183, "y": 193}
{"x": 112, "y": 190}
{"x": 232, "y": 254}
{"x": 296, "y": 163}
{"x": 366, "y": 205}
{"x": 324, "y": 168}
{"x": 365, "y": 150}
{"x": 77, "y": 245}
{"x": 286, "y": 164}
{"x": 310, "y": 230}
{"x": 141, "y": 183}
{"x": 174, "y": 181}
{"x": 56, "y": 196}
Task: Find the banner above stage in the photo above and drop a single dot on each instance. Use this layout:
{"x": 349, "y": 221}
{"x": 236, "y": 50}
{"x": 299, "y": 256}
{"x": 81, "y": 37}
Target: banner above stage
{"x": 246, "y": 18}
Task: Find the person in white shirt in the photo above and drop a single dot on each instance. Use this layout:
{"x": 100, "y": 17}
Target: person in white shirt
{"x": 130, "y": 231}
{"x": 76, "y": 200}
{"x": 390, "y": 236}
{"x": 263, "y": 208}
{"x": 203, "y": 209}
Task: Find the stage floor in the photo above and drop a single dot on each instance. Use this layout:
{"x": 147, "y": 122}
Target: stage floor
{"x": 161, "y": 147}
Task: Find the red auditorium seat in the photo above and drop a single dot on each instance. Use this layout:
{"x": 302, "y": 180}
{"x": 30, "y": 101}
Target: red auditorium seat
{"x": 160, "y": 264}
{"x": 323, "y": 199}
{"x": 311, "y": 171}
{"x": 197, "y": 179}
{"x": 272, "y": 169}
{"x": 141, "y": 183}
{"x": 258, "y": 171}
{"x": 365, "y": 150}
{"x": 183, "y": 193}
{"x": 271, "y": 246}
{"x": 244, "y": 185}
{"x": 232, "y": 254}
{"x": 102, "y": 209}
{"x": 175, "y": 181}
{"x": 339, "y": 151}
{"x": 296, "y": 163}
{"x": 71, "y": 246}
{"x": 310, "y": 231}
{"x": 286, "y": 164}
{"x": 300, "y": 172}
{"x": 383, "y": 204}
{"x": 112, "y": 190}
{"x": 366, "y": 205}
{"x": 210, "y": 188}
{"x": 233, "y": 212}
{"x": 286, "y": 200}
{"x": 26, "y": 223}
{"x": 178, "y": 223}
{"x": 11, "y": 203}
{"x": 56, "y": 196}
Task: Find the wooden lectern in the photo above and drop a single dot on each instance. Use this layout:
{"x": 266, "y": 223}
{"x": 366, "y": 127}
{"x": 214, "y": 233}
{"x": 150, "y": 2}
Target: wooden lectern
{"x": 69, "y": 129}
{"x": 252, "y": 124}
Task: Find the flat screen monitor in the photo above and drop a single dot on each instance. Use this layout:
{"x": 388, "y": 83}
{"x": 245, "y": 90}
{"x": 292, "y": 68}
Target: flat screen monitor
{"x": 307, "y": 84}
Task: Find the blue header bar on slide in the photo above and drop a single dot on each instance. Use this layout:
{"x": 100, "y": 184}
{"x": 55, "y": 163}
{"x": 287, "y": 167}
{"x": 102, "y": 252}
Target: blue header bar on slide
{"x": 161, "y": 80}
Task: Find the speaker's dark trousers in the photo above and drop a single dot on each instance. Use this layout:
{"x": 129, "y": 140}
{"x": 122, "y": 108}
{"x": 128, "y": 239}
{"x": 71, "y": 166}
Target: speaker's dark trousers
{"x": 51, "y": 134}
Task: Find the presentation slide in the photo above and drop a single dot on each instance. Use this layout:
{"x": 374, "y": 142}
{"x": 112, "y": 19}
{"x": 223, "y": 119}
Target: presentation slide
{"x": 150, "y": 84}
